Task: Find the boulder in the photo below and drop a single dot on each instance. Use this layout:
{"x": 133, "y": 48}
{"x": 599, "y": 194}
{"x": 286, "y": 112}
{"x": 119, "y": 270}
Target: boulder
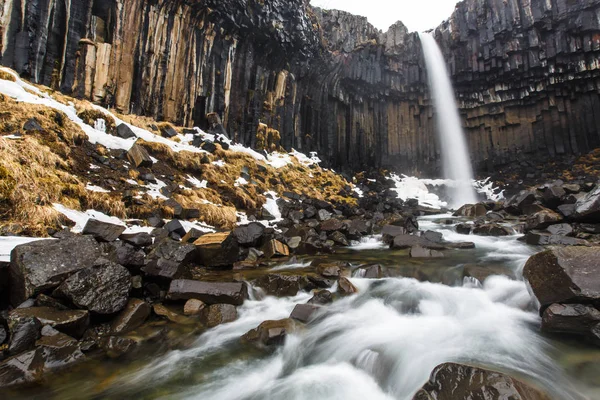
{"x": 139, "y": 157}
{"x": 168, "y": 313}
{"x": 358, "y": 228}
{"x": 471, "y": 210}
{"x": 167, "y": 261}
{"x": 102, "y": 289}
{"x": 407, "y": 241}
{"x": 43, "y": 265}
{"x": 141, "y": 239}
{"x": 217, "y": 250}
{"x": 482, "y": 272}
{"x": 565, "y": 275}
{"x": 303, "y": 312}
{"x": 125, "y": 132}
{"x": 588, "y": 207}
{"x": 560, "y": 229}
{"x": 464, "y": 229}
{"x": 103, "y": 231}
{"x": 454, "y": 381}
{"x": 575, "y": 319}
{"x": 421, "y": 252}
{"x": 339, "y": 238}
{"x": 209, "y": 292}
{"x": 345, "y": 287}
{"x": 543, "y": 219}
{"x": 133, "y": 315}
{"x": 249, "y": 235}
{"x": 275, "y": 248}
{"x": 330, "y": 270}
{"x": 321, "y": 297}
{"x": 174, "y": 227}
{"x": 166, "y": 130}
{"x": 323, "y": 215}
{"x": 193, "y": 307}
{"x": 545, "y": 239}
{"x": 280, "y": 285}
{"x": 117, "y": 346}
{"x": 124, "y": 254}
{"x": 374, "y": 271}
{"x": 552, "y": 196}
{"x": 389, "y": 232}
{"x": 492, "y": 230}
{"x": 270, "y": 333}
{"x": 192, "y": 235}
{"x": 332, "y": 225}
{"x": 24, "y": 331}
{"x": 217, "y": 314}
{"x": 516, "y": 203}
{"x": 70, "y": 322}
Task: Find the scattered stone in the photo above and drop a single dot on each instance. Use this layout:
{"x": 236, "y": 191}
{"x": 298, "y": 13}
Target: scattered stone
{"x": 321, "y": 297}
{"x": 168, "y": 260}
{"x": 275, "y": 248}
{"x": 249, "y": 235}
{"x": 192, "y": 235}
{"x": 218, "y": 314}
{"x": 345, "y": 287}
{"x": 575, "y": 319}
{"x": 303, "y": 312}
{"x": 133, "y": 315}
{"x": 24, "y": 331}
{"x": 471, "y": 210}
{"x": 117, "y": 346}
{"x": 141, "y": 239}
{"x": 492, "y": 230}
{"x": 270, "y": 333}
{"x": 103, "y": 231}
{"x": 193, "y": 307}
{"x": 464, "y": 229}
{"x": 38, "y": 266}
{"x": 329, "y": 270}
{"x": 32, "y": 125}
{"x": 543, "y": 239}
{"x": 217, "y": 250}
{"x": 125, "y": 132}
{"x": 543, "y": 219}
{"x": 175, "y": 227}
{"x": 280, "y": 285}
{"x": 332, "y": 225}
{"x": 323, "y": 215}
{"x": 565, "y": 275}
{"x": 171, "y": 315}
{"x": 374, "y": 271}
{"x": 209, "y": 292}
{"x": 339, "y": 238}
{"x": 588, "y": 207}
{"x": 70, "y": 322}
{"x": 166, "y": 130}
{"x": 481, "y": 273}
{"x": 102, "y": 289}
{"x": 139, "y": 157}
{"x": 560, "y": 229}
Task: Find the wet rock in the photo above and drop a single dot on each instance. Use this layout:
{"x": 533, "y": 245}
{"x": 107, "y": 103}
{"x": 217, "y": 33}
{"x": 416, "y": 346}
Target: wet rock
{"x": 421, "y": 252}
{"x": 543, "y": 219}
{"x": 168, "y": 260}
{"x": 407, "y": 241}
{"x": 133, "y": 315}
{"x": 545, "y": 239}
{"x": 374, "y": 271}
{"x": 552, "y": 196}
{"x": 567, "y": 210}
{"x": 339, "y": 238}
{"x": 303, "y": 312}
{"x": 280, "y": 285}
{"x": 141, "y": 239}
{"x": 574, "y": 319}
{"x": 358, "y": 228}
{"x": 471, "y": 210}
{"x": 193, "y": 307}
{"x": 209, "y": 292}
{"x": 217, "y": 250}
{"x": 24, "y": 331}
{"x": 174, "y": 227}
{"x": 103, "y": 231}
{"x": 345, "y": 287}
{"x": 492, "y": 230}
{"x": 70, "y": 322}
{"x": 270, "y": 333}
{"x": 3, "y": 334}
{"x": 124, "y": 254}
{"x": 332, "y": 225}
{"x": 330, "y": 270}
{"x": 588, "y": 207}
{"x": 389, "y": 232}
{"x": 460, "y": 245}
{"x": 139, "y": 157}
{"x": 516, "y": 204}
{"x": 565, "y": 275}
{"x": 192, "y": 235}
{"x": 125, "y": 132}
{"x": 217, "y": 314}
{"x": 46, "y": 301}
{"x": 464, "y": 229}
{"x": 102, "y": 289}
{"x": 321, "y": 297}
{"x": 43, "y": 265}
{"x": 454, "y": 381}
{"x": 249, "y": 235}
{"x": 164, "y": 311}
{"x": 323, "y": 215}
{"x": 275, "y": 248}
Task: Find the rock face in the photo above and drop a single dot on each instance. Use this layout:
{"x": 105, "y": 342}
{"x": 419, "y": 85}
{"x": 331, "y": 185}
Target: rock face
{"x": 454, "y": 381}
{"x": 524, "y": 72}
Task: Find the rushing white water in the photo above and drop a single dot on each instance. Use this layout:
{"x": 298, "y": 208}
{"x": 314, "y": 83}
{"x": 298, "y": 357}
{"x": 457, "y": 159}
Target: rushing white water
{"x": 455, "y": 154}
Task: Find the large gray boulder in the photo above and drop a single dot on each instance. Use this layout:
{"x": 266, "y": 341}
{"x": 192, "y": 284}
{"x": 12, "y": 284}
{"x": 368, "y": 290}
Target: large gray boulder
{"x": 565, "y": 275}
{"x": 43, "y": 265}
{"x": 588, "y": 207}
{"x": 209, "y": 292}
{"x": 102, "y": 289}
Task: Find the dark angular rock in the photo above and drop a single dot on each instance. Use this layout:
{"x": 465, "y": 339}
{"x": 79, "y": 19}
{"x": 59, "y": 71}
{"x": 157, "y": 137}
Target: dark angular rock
{"x": 587, "y": 209}
{"x": 560, "y": 229}
{"x": 464, "y": 229}
{"x": 471, "y": 210}
{"x": 124, "y": 254}
{"x": 408, "y": 241}
{"x": 543, "y": 219}
{"x": 575, "y": 319}
{"x": 167, "y": 131}
{"x": 280, "y": 285}
{"x": 192, "y": 235}
{"x": 217, "y": 250}
{"x": 169, "y": 259}
{"x": 249, "y": 235}
{"x": 175, "y": 226}
{"x": 102, "y": 289}
{"x": 70, "y": 322}
{"x": 565, "y": 275}
{"x": 516, "y": 204}
{"x": 323, "y": 215}
{"x": 270, "y": 333}
{"x": 303, "y": 312}
{"x": 209, "y": 292}
{"x": 24, "y": 331}
{"x": 32, "y": 124}
{"x": 141, "y": 239}
{"x": 103, "y": 231}
{"x": 125, "y": 132}
{"x": 339, "y": 238}
{"x": 492, "y": 230}
{"x": 332, "y": 225}
{"x": 374, "y": 271}
{"x": 543, "y": 239}
{"x": 275, "y": 248}
{"x": 345, "y": 287}
{"x": 133, "y": 315}
{"x": 117, "y": 346}
{"x": 321, "y": 297}
{"x": 43, "y": 265}
{"x": 139, "y": 157}
{"x": 553, "y": 196}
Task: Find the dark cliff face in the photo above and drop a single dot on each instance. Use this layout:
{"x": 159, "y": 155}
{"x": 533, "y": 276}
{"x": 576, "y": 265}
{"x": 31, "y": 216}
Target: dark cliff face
{"x": 525, "y": 72}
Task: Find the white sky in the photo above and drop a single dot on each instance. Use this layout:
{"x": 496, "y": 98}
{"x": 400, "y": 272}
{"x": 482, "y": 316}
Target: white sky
{"x": 417, "y": 15}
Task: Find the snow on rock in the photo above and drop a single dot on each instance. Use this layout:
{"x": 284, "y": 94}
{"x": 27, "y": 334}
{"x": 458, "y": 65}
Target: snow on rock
{"x": 219, "y": 163}
{"x": 94, "y": 188}
{"x": 81, "y": 218}
{"x": 241, "y": 182}
{"x": 304, "y": 159}
{"x": 271, "y": 205}
{"x": 201, "y": 226}
{"x": 154, "y": 189}
{"x": 8, "y": 243}
{"x": 279, "y": 160}
{"x": 197, "y": 183}
{"x": 358, "y": 191}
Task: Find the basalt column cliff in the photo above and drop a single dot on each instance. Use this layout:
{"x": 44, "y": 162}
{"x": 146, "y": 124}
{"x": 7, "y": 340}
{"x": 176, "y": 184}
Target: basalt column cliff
{"x": 526, "y": 72}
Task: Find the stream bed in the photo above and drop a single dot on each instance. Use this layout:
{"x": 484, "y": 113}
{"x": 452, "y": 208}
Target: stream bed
{"x": 382, "y": 343}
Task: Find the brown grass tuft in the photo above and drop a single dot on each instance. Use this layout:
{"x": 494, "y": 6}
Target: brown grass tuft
{"x": 90, "y": 116}
{"x": 7, "y": 76}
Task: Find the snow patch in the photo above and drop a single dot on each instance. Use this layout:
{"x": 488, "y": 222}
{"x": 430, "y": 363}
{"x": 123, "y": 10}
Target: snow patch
{"x": 8, "y": 243}
{"x": 197, "y": 183}
{"x": 93, "y": 188}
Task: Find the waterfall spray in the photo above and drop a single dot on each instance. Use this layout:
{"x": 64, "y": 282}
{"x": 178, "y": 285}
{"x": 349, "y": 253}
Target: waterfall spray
{"x": 455, "y": 154}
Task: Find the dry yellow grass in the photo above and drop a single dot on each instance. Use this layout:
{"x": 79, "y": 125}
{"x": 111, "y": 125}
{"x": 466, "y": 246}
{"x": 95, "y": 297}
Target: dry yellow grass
{"x": 6, "y": 76}
{"x": 184, "y": 160}
{"x": 90, "y": 116}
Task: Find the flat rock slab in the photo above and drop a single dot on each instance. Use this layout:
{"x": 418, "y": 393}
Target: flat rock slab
{"x": 565, "y": 275}
{"x": 43, "y": 265}
{"x": 103, "y": 231}
{"x": 133, "y": 315}
{"x": 218, "y": 314}
{"x": 71, "y": 322}
{"x": 407, "y": 241}
{"x": 234, "y": 293}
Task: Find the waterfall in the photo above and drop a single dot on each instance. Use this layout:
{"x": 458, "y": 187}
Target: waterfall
{"x": 455, "y": 154}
